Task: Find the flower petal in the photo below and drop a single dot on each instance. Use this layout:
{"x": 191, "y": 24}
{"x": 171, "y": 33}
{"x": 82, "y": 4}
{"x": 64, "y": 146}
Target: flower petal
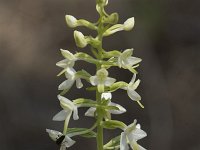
{"x": 133, "y": 60}
{"x": 54, "y": 135}
{"x": 75, "y": 113}
{"x": 62, "y": 63}
{"x": 79, "y": 84}
{"x": 66, "y": 103}
{"x": 123, "y": 142}
{"x": 133, "y": 95}
{"x": 109, "y": 81}
{"x": 100, "y": 88}
{"x": 120, "y": 111}
{"x": 133, "y": 79}
{"x": 61, "y": 116}
{"x": 94, "y": 80}
{"x": 136, "y": 84}
{"x": 68, "y": 142}
{"x": 136, "y": 134}
{"x": 70, "y": 73}
{"x": 66, "y": 85}
{"x": 90, "y": 112}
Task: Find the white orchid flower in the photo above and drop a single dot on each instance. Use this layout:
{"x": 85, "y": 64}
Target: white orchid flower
{"x": 63, "y": 140}
{"x": 101, "y": 79}
{"x": 131, "y": 135}
{"x": 125, "y": 60}
{"x": 69, "y": 60}
{"x": 69, "y": 71}
{"x": 107, "y": 96}
{"x": 132, "y": 86}
{"x": 68, "y": 107}
{"x": 71, "y": 78}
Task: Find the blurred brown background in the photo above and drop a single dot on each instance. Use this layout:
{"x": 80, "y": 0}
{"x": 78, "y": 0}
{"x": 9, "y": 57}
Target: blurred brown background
{"x": 166, "y": 37}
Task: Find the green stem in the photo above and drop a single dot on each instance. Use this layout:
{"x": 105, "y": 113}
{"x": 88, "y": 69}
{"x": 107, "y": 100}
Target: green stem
{"x": 99, "y": 120}
{"x": 99, "y": 127}
{"x": 98, "y": 95}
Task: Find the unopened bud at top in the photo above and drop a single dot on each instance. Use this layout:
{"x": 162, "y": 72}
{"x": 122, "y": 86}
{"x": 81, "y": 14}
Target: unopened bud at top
{"x": 103, "y": 2}
{"x": 80, "y": 39}
{"x": 112, "y": 19}
{"x": 129, "y": 24}
{"x": 71, "y": 21}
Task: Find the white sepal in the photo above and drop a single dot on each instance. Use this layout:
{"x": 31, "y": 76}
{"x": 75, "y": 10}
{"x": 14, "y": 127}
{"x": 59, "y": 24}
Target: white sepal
{"x": 61, "y": 116}
{"x": 120, "y": 111}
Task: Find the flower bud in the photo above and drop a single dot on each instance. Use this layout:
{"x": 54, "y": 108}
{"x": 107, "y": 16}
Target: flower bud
{"x": 112, "y": 19}
{"x": 129, "y": 24}
{"x": 103, "y": 2}
{"x": 71, "y": 21}
{"x": 80, "y": 39}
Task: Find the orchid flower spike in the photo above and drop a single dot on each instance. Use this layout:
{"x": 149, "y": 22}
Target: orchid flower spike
{"x": 63, "y": 140}
{"x": 101, "y": 79}
{"x": 131, "y": 135}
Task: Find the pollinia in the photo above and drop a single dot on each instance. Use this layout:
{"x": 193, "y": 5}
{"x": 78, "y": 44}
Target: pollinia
{"x": 102, "y": 108}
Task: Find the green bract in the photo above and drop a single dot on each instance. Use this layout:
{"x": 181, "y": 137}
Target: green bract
{"x": 101, "y": 82}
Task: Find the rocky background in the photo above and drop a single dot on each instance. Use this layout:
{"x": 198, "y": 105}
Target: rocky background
{"x": 166, "y": 36}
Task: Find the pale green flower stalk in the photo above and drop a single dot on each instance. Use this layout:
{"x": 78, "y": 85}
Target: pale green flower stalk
{"x": 102, "y": 108}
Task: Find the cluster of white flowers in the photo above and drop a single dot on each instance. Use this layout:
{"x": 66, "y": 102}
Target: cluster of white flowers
{"x": 103, "y": 107}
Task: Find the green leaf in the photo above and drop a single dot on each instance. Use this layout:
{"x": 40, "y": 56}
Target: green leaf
{"x": 84, "y": 132}
{"x": 113, "y": 124}
{"x": 112, "y": 144}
